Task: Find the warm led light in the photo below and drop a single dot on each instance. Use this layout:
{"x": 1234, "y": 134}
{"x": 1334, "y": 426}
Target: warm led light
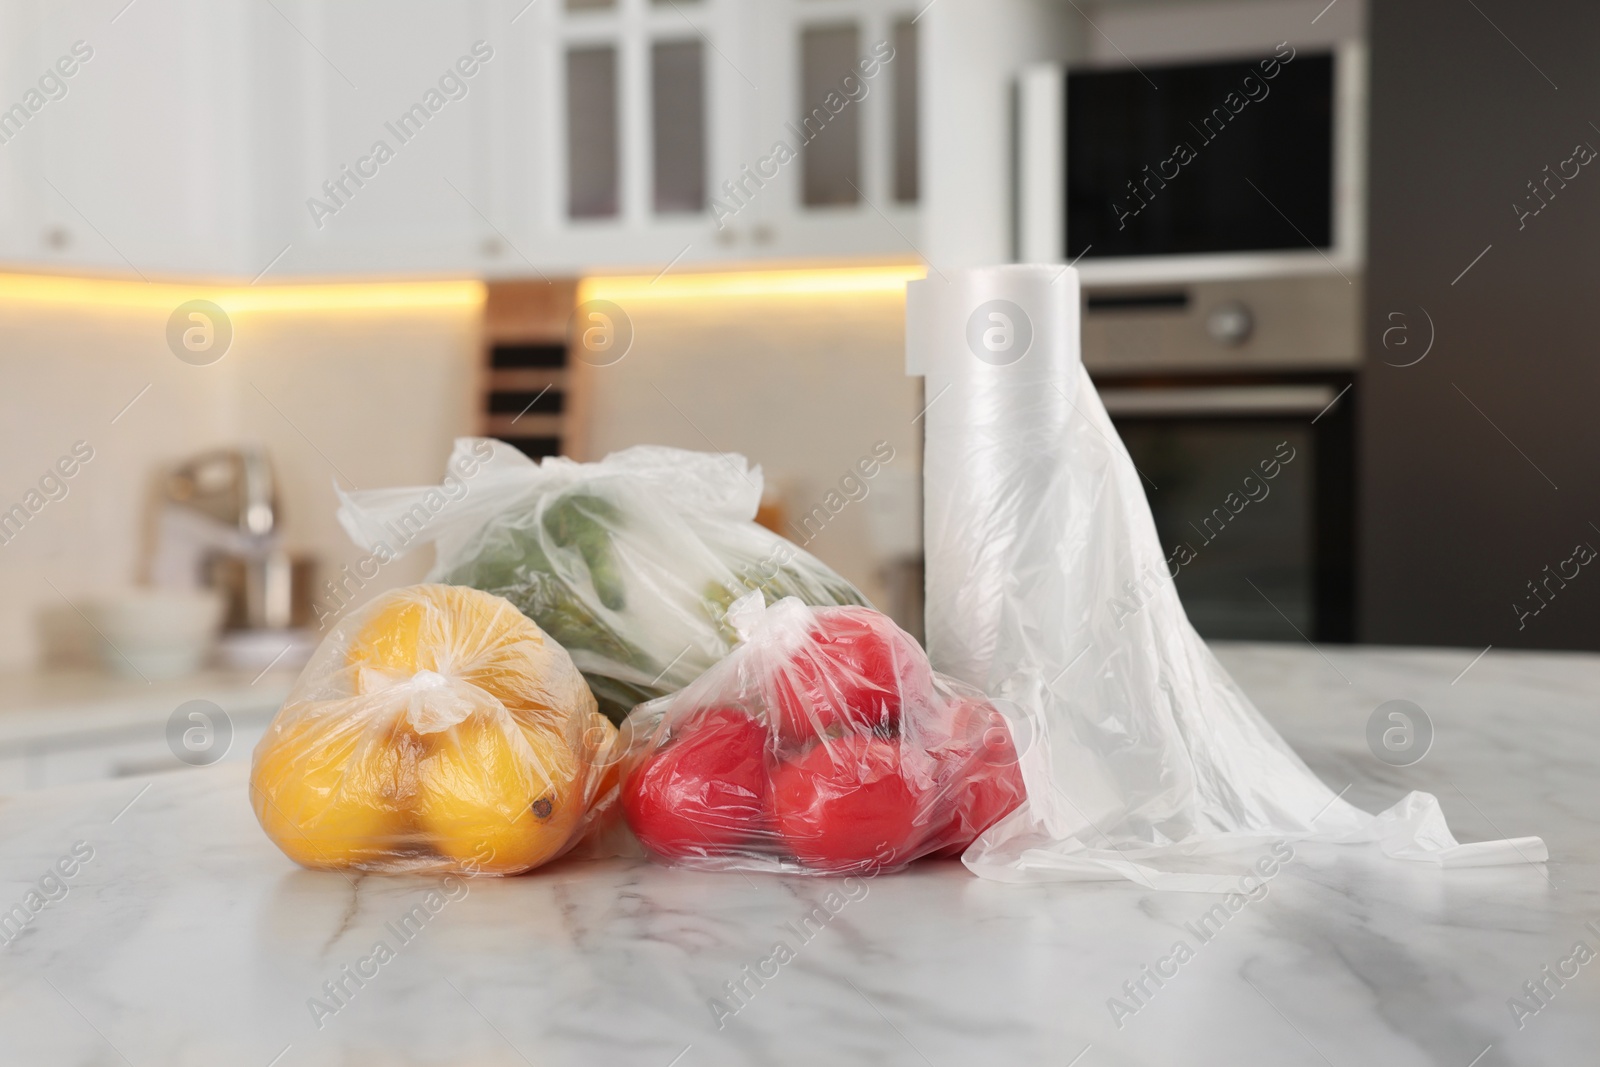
{"x": 756, "y": 283}
{"x": 235, "y": 299}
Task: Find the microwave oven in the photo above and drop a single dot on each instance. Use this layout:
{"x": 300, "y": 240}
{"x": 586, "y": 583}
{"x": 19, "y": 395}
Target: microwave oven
{"x": 1251, "y": 165}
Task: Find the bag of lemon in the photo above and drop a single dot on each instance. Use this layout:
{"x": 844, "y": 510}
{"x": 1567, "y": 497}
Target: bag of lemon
{"x": 438, "y": 729}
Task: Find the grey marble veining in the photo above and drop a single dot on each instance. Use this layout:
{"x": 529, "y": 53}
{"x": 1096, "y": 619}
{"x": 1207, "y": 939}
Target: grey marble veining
{"x": 186, "y": 938}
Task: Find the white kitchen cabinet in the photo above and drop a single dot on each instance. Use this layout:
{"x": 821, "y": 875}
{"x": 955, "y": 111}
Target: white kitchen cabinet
{"x": 874, "y": 221}
{"x": 197, "y": 134}
{"x": 23, "y": 224}
{"x": 136, "y": 162}
{"x": 128, "y": 753}
{"x": 378, "y": 121}
{"x": 71, "y": 756}
{"x": 65, "y": 727}
{"x": 241, "y": 138}
{"x": 752, "y": 89}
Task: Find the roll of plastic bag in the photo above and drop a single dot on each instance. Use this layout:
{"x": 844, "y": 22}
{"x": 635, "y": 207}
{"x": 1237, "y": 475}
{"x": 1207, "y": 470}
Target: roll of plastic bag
{"x": 1048, "y": 589}
{"x": 630, "y": 563}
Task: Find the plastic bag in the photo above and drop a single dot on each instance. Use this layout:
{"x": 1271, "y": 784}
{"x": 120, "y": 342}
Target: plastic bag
{"x": 1048, "y": 586}
{"x": 630, "y": 562}
{"x": 437, "y": 729}
{"x": 823, "y": 744}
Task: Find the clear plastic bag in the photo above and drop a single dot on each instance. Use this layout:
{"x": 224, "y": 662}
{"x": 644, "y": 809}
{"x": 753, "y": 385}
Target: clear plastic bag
{"x": 630, "y": 562}
{"x": 437, "y": 729}
{"x": 1049, "y": 589}
{"x": 823, "y": 744}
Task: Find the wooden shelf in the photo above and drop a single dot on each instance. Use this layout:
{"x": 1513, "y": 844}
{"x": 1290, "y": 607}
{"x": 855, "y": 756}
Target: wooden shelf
{"x": 530, "y": 425}
{"x": 527, "y": 322}
{"x": 534, "y": 378}
{"x": 529, "y": 312}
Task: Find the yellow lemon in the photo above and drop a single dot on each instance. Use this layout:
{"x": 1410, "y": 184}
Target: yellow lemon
{"x": 333, "y": 792}
{"x": 433, "y": 628}
{"x": 471, "y": 635}
{"x": 500, "y": 798}
{"x": 388, "y": 640}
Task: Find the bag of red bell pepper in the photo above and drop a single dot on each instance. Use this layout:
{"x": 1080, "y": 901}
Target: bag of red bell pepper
{"x": 822, "y": 744}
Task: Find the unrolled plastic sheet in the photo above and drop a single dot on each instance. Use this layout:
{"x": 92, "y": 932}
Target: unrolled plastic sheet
{"x": 1048, "y": 588}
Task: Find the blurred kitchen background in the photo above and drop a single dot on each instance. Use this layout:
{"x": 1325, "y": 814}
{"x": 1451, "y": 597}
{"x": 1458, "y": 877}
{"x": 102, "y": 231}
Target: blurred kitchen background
{"x": 251, "y": 249}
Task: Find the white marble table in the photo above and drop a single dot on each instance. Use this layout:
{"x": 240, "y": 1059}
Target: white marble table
{"x": 188, "y": 939}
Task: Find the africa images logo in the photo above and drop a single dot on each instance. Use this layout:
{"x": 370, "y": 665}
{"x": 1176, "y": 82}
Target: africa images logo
{"x": 999, "y": 332}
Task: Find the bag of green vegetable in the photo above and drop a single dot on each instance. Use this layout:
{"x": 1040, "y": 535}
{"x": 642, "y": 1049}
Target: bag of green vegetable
{"x": 630, "y": 563}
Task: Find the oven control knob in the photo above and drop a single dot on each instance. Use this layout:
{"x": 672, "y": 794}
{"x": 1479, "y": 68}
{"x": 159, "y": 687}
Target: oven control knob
{"x": 1230, "y": 323}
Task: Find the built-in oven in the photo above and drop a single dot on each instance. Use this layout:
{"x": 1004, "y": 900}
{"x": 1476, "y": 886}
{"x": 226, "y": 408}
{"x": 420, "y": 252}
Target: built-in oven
{"x": 1251, "y": 480}
{"x": 1212, "y": 199}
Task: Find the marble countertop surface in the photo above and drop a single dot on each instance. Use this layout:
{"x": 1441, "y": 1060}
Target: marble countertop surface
{"x": 183, "y": 937}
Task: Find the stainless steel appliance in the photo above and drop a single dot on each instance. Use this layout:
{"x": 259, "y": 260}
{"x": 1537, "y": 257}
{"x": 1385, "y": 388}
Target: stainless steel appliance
{"x": 1244, "y": 164}
{"x": 1208, "y": 379}
{"x": 1284, "y": 323}
{"x": 1214, "y": 206}
{"x": 1250, "y": 479}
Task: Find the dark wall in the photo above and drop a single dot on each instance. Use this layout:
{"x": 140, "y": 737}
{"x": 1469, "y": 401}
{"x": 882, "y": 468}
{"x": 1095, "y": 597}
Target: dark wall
{"x": 1462, "y": 507}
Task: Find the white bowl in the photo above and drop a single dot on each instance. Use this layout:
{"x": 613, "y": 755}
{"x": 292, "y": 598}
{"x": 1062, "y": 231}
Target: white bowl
{"x": 156, "y": 633}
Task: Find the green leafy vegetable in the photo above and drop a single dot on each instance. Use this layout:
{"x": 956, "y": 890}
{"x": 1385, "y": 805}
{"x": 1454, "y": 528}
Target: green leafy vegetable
{"x": 559, "y": 559}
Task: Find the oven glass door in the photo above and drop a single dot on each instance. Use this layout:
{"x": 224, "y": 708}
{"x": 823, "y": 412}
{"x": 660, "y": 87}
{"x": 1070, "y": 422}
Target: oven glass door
{"x": 1251, "y": 500}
